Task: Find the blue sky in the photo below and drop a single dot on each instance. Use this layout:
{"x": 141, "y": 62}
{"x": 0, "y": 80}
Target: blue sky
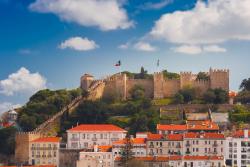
{"x": 51, "y": 43}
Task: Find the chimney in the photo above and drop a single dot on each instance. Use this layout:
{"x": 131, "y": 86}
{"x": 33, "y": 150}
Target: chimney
{"x": 245, "y": 133}
{"x": 95, "y": 148}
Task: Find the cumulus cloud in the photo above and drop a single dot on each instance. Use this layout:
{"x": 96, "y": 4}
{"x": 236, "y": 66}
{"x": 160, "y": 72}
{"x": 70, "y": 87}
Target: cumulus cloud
{"x": 143, "y": 46}
{"x": 6, "y": 106}
{"x": 188, "y": 49}
{"x": 155, "y": 6}
{"x": 214, "y": 48}
{"x": 124, "y": 46}
{"x": 196, "y": 49}
{"x": 79, "y": 43}
{"x": 107, "y": 15}
{"x": 211, "y": 22}
{"x": 22, "y": 81}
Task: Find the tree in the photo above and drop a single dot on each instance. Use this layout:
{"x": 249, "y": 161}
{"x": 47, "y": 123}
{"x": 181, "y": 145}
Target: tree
{"x": 245, "y": 85}
{"x": 209, "y": 96}
{"x": 217, "y": 96}
{"x": 243, "y": 97}
{"x": 170, "y": 75}
{"x": 202, "y": 76}
{"x": 137, "y": 92}
{"x": 178, "y": 98}
{"x": 188, "y": 93}
{"x": 126, "y": 153}
{"x": 7, "y": 140}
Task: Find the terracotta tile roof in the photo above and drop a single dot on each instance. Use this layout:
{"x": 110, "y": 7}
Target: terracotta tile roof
{"x": 240, "y": 134}
{"x": 171, "y": 127}
{"x": 232, "y": 94}
{"x": 213, "y": 136}
{"x": 47, "y": 139}
{"x": 175, "y": 158}
{"x": 202, "y": 125}
{"x": 105, "y": 148}
{"x": 188, "y": 157}
{"x": 175, "y": 137}
{"x": 204, "y": 135}
{"x": 97, "y": 127}
{"x": 33, "y": 166}
{"x": 154, "y": 136}
{"x": 134, "y": 141}
{"x": 8, "y": 124}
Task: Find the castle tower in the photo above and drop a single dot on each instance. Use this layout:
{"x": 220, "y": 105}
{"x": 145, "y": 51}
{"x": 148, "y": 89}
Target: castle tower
{"x": 121, "y": 85}
{"x": 86, "y": 81}
{"x": 219, "y": 79}
{"x": 22, "y": 146}
{"x": 158, "y": 85}
{"x": 186, "y": 79}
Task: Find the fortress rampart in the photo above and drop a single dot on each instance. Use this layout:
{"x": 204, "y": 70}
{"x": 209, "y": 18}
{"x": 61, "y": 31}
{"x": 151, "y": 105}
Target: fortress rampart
{"x": 159, "y": 86}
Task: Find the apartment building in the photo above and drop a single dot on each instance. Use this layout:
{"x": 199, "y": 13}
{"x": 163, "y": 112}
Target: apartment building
{"x": 44, "y": 151}
{"x": 179, "y": 161}
{"x": 190, "y": 126}
{"x": 138, "y": 147}
{"x": 100, "y": 156}
{"x": 204, "y": 144}
{"x": 88, "y": 135}
{"x": 237, "y": 147}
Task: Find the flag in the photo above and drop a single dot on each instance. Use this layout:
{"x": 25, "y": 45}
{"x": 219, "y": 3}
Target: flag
{"x": 118, "y": 63}
{"x": 158, "y": 63}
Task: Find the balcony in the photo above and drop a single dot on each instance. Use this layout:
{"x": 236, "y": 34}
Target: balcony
{"x": 187, "y": 152}
{"x": 94, "y": 139}
{"x": 114, "y": 139}
{"x": 43, "y": 156}
{"x": 74, "y": 139}
{"x": 151, "y": 146}
{"x": 178, "y": 146}
{"x": 215, "y": 145}
{"x": 38, "y": 156}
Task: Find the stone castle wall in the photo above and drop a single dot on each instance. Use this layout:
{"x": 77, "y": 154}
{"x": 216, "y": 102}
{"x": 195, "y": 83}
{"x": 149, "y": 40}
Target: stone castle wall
{"x": 22, "y": 146}
{"x": 147, "y": 84}
{"x": 160, "y": 87}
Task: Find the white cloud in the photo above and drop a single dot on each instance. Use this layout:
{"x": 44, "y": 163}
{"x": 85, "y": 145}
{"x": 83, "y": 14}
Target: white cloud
{"x": 22, "y": 81}
{"x": 6, "y": 106}
{"x": 78, "y": 43}
{"x": 159, "y": 5}
{"x": 214, "y": 48}
{"x": 105, "y": 14}
{"x": 143, "y": 46}
{"x": 124, "y": 46}
{"x": 188, "y": 49}
{"x": 211, "y": 22}
{"x": 197, "y": 49}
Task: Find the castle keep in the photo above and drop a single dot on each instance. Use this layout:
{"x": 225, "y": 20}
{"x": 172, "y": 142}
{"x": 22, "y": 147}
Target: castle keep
{"x": 159, "y": 86}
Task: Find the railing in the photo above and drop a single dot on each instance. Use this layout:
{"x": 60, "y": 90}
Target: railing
{"x": 94, "y": 139}
{"x": 215, "y": 145}
{"x": 188, "y": 144}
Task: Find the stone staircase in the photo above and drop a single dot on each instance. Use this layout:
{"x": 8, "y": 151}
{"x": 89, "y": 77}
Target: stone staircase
{"x": 94, "y": 92}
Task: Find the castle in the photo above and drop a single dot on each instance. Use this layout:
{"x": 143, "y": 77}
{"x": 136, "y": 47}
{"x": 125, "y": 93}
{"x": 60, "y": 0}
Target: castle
{"x": 159, "y": 86}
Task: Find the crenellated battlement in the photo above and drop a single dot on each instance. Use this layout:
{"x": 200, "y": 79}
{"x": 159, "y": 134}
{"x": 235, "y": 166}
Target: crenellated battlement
{"x": 160, "y": 87}
{"x": 219, "y": 70}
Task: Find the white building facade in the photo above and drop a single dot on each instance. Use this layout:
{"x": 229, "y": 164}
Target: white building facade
{"x": 88, "y": 135}
{"x": 238, "y": 149}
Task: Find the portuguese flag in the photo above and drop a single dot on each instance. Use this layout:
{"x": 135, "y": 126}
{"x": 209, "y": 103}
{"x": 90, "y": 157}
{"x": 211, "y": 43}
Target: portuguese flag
{"x": 118, "y": 63}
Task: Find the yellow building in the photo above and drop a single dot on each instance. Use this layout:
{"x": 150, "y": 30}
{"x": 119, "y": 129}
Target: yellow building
{"x": 44, "y": 151}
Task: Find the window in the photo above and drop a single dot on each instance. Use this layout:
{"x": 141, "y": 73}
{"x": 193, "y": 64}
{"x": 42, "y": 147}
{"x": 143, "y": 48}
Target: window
{"x": 83, "y": 136}
{"x": 87, "y": 136}
{"x": 105, "y": 136}
{"x": 205, "y": 150}
{"x": 94, "y": 136}
{"x": 54, "y": 153}
{"x": 205, "y": 142}
{"x": 101, "y": 136}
